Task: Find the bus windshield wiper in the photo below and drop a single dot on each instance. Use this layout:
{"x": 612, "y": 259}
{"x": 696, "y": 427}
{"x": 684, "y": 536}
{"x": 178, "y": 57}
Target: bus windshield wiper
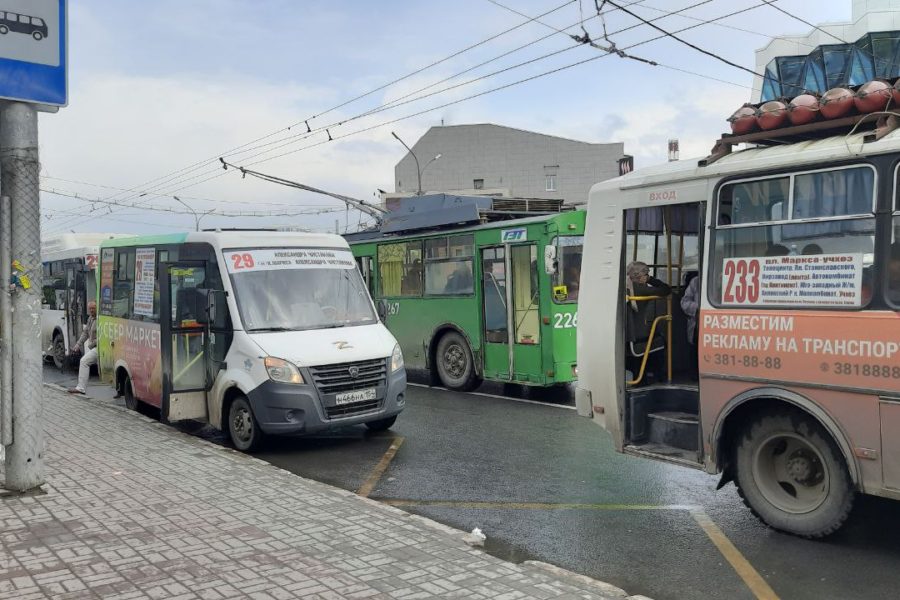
{"x": 264, "y": 329}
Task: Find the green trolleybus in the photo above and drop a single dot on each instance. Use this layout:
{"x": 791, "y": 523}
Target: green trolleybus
{"x": 495, "y": 301}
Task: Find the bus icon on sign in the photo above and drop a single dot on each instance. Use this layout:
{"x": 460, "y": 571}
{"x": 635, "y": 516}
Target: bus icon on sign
{"x": 33, "y": 26}
{"x": 513, "y": 235}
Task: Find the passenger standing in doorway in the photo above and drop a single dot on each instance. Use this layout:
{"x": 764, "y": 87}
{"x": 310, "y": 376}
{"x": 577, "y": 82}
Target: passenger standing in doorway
{"x": 88, "y": 342}
{"x": 690, "y": 304}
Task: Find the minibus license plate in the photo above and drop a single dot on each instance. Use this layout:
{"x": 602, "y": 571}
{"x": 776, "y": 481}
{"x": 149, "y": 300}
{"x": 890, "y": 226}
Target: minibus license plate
{"x": 357, "y": 396}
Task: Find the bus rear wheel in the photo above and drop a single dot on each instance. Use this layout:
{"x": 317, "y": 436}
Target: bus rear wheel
{"x": 243, "y": 429}
{"x": 4, "y": 29}
{"x": 791, "y": 474}
{"x": 131, "y": 402}
{"x": 455, "y": 365}
{"x": 59, "y": 351}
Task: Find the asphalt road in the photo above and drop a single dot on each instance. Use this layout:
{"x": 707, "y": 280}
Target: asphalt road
{"x": 545, "y": 484}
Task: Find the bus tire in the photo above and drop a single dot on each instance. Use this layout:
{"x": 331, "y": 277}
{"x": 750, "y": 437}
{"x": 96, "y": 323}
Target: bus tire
{"x": 37, "y": 35}
{"x": 455, "y": 365}
{"x": 4, "y": 29}
{"x": 792, "y": 476}
{"x": 131, "y": 402}
{"x": 382, "y": 424}
{"x": 243, "y": 429}
{"x": 58, "y": 350}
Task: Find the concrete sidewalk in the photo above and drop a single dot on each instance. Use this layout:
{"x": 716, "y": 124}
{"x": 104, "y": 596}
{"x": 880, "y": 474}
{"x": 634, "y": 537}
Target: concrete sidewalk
{"x": 137, "y": 509}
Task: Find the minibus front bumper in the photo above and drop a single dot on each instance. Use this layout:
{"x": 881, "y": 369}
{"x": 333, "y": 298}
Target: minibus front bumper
{"x": 290, "y": 409}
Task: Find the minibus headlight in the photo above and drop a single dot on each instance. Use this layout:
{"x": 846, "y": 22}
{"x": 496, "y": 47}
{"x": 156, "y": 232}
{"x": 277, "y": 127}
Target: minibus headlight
{"x": 282, "y": 371}
{"x": 396, "y": 359}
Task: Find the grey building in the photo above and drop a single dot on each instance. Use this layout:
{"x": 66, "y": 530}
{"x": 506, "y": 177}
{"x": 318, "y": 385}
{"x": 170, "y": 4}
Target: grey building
{"x": 487, "y": 159}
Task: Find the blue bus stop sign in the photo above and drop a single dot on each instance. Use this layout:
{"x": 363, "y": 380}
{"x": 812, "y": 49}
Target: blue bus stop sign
{"x": 33, "y": 48}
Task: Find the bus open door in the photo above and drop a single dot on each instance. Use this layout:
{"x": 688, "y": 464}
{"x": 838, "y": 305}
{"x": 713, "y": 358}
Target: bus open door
{"x": 188, "y": 314}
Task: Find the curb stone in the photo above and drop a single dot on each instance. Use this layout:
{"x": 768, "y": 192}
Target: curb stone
{"x": 458, "y": 535}
{"x": 601, "y": 586}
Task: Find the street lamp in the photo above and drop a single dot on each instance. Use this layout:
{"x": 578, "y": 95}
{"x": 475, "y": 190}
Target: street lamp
{"x": 436, "y": 156}
{"x": 194, "y": 212}
{"x": 419, "y": 170}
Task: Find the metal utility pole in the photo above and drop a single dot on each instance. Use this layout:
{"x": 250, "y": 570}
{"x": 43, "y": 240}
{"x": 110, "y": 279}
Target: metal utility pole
{"x": 19, "y": 180}
{"x": 415, "y": 158}
{"x": 197, "y": 216}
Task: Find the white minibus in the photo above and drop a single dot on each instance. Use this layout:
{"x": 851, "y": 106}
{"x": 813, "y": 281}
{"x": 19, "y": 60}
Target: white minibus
{"x": 255, "y": 332}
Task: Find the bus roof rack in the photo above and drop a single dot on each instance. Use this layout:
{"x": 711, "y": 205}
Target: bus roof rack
{"x": 436, "y": 211}
{"x": 876, "y": 126}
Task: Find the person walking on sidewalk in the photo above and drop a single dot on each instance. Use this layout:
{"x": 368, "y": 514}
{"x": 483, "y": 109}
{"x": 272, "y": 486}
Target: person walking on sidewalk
{"x": 87, "y": 341}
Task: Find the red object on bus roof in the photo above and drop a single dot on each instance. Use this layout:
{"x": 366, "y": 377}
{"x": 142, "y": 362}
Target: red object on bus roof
{"x": 803, "y": 109}
{"x": 743, "y": 120}
{"x": 836, "y": 102}
{"x": 873, "y": 96}
{"x": 772, "y": 115}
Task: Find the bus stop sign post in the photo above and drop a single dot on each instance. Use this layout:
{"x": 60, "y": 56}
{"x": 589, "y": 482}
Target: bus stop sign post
{"x": 33, "y": 76}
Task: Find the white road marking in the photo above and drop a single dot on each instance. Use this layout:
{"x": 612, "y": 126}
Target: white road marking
{"x": 497, "y": 396}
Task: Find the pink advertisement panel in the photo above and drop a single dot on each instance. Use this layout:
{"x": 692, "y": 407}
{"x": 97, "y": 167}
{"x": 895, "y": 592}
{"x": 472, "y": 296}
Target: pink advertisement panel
{"x": 847, "y": 349}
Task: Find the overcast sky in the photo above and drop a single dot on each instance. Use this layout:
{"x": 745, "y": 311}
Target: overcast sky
{"x": 157, "y": 86}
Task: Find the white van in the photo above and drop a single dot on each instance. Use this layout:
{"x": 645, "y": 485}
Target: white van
{"x": 255, "y": 332}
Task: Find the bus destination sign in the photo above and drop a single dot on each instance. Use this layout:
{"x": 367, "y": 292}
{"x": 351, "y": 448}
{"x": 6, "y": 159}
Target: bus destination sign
{"x": 815, "y": 280}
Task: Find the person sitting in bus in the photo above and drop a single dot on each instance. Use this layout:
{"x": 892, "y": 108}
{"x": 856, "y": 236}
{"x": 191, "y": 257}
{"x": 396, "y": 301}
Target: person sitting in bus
{"x": 412, "y": 281}
{"x": 88, "y": 341}
{"x": 571, "y": 279}
{"x": 639, "y": 283}
{"x": 812, "y": 249}
{"x": 460, "y": 280}
{"x": 777, "y": 250}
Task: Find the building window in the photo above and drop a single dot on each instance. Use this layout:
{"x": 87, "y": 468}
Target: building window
{"x": 478, "y": 184}
{"x": 551, "y": 183}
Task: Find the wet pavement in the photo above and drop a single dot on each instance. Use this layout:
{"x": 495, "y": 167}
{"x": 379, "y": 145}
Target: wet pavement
{"x": 545, "y": 484}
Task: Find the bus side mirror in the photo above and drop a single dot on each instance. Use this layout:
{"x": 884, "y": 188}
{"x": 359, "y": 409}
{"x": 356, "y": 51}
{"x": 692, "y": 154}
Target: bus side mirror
{"x": 382, "y": 310}
{"x": 550, "y": 264}
{"x": 216, "y": 309}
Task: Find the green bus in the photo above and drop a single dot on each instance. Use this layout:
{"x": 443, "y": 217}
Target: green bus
{"x": 496, "y": 301}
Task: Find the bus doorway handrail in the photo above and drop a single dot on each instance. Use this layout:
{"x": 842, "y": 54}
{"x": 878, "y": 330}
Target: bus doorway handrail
{"x": 646, "y": 354}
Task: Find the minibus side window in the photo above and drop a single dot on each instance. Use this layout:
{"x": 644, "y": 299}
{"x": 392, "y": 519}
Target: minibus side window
{"x": 123, "y": 283}
{"x": 892, "y": 289}
{"x": 769, "y": 229}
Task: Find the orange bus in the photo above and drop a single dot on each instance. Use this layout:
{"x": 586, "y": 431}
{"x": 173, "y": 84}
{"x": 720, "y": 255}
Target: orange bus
{"x": 791, "y": 387}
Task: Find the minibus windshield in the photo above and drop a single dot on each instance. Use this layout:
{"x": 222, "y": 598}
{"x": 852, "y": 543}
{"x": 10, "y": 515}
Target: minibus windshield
{"x": 294, "y": 289}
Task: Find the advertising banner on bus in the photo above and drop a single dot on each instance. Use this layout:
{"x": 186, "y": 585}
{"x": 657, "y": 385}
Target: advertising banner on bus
{"x": 144, "y": 280}
{"x": 848, "y": 350}
{"x": 137, "y": 345}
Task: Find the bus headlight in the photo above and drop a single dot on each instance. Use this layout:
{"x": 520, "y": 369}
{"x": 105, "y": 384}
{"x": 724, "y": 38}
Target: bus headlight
{"x": 396, "y": 359}
{"x": 282, "y": 371}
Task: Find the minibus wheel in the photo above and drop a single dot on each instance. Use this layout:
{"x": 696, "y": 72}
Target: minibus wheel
{"x": 59, "y": 351}
{"x": 455, "y": 365}
{"x": 37, "y": 35}
{"x": 382, "y": 424}
{"x": 131, "y": 403}
{"x": 791, "y": 474}
{"x": 4, "y": 29}
{"x": 243, "y": 429}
